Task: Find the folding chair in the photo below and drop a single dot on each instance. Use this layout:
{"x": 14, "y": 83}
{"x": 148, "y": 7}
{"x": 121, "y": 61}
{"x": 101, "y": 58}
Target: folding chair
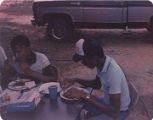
{"x": 134, "y": 97}
{"x": 133, "y": 94}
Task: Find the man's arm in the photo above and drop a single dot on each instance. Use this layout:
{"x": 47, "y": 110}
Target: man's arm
{"x": 95, "y": 84}
{"x": 112, "y": 109}
{"x": 51, "y": 72}
{"x": 42, "y": 77}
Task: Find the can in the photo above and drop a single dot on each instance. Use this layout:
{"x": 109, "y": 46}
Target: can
{"x": 53, "y": 92}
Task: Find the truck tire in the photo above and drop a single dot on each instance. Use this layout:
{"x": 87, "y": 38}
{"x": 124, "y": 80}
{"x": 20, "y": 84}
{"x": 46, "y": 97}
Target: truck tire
{"x": 59, "y": 30}
{"x": 151, "y": 30}
{"x": 150, "y": 25}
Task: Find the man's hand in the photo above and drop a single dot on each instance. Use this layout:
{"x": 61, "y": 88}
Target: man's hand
{"x": 67, "y": 83}
{"x": 34, "y": 74}
{"x": 75, "y": 93}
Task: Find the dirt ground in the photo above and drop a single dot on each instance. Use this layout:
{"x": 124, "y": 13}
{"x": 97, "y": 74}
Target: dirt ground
{"x": 132, "y": 49}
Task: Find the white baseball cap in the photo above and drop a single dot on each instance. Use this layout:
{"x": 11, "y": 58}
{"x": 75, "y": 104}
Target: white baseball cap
{"x": 88, "y": 47}
{"x": 79, "y": 52}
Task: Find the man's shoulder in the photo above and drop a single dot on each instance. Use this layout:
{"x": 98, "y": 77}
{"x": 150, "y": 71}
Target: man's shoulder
{"x": 40, "y": 55}
{"x": 114, "y": 67}
{"x": 41, "y": 60}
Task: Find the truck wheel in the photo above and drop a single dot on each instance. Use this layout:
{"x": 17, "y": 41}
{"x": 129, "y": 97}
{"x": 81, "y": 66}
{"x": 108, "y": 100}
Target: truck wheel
{"x": 150, "y": 26}
{"x": 59, "y": 30}
{"x": 151, "y": 29}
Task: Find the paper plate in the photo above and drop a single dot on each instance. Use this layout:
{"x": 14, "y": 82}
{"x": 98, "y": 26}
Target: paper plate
{"x": 71, "y": 99}
{"x": 65, "y": 98}
{"x": 21, "y": 84}
{"x": 44, "y": 87}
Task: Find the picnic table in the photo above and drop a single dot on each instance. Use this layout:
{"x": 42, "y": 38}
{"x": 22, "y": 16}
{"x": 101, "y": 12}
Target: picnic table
{"x": 48, "y": 110}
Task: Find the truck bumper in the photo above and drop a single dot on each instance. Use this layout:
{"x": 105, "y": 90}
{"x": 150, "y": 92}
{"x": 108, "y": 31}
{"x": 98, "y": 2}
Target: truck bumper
{"x": 33, "y": 22}
{"x": 38, "y": 23}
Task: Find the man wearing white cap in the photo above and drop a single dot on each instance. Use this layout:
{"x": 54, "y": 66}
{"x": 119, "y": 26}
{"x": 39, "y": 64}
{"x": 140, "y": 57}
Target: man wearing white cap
{"x": 114, "y": 105}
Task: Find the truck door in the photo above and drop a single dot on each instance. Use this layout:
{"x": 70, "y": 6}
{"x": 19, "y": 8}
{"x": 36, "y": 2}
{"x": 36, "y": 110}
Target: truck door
{"x": 104, "y": 11}
{"x": 139, "y": 13}
{"x": 75, "y": 10}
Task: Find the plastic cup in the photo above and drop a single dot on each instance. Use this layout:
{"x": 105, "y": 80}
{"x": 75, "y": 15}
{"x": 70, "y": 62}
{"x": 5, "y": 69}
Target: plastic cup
{"x": 53, "y": 92}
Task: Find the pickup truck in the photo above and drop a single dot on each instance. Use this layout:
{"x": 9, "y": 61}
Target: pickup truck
{"x": 62, "y": 17}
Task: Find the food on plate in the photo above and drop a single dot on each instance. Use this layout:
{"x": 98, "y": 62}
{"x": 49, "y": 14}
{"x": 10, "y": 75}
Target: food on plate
{"x": 19, "y": 84}
{"x": 23, "y": 80}
{"x": 67, "y": 93}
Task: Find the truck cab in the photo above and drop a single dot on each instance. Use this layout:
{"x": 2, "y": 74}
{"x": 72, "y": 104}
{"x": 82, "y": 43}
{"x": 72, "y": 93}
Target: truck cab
{"x": 62, "y": 17}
